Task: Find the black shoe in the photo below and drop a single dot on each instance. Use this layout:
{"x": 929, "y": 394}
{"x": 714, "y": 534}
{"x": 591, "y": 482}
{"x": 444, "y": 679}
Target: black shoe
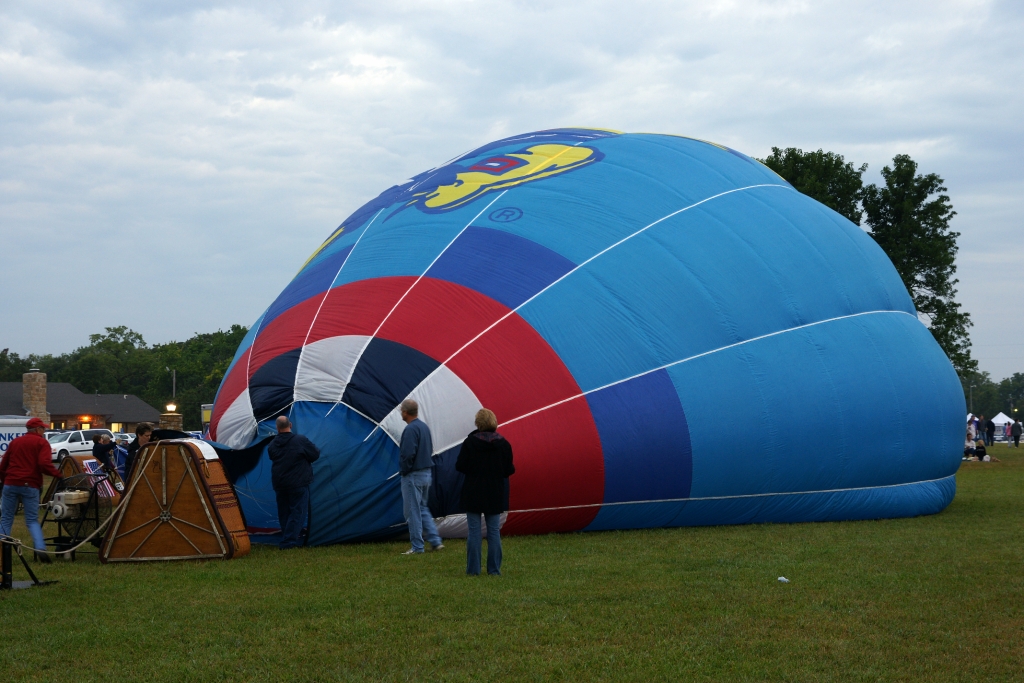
{"x": 43, "y": 557}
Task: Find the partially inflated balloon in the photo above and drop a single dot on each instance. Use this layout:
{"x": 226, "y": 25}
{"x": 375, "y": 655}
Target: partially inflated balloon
{"x": 667, "y": 331}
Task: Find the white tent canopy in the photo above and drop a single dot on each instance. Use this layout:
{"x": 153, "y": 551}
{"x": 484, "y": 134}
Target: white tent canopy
{"x": 1001, "y": 419}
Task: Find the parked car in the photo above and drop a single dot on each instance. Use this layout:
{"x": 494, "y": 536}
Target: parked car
{"x": 73, "y": 442}
{"x": 122, "y": 438}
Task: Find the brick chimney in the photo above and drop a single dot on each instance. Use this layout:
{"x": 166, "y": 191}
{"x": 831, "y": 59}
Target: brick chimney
{"x": 33, "y": 394}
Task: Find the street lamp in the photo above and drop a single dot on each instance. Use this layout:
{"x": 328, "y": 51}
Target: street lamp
{"x": 972, "y": 399}
{"x": 171, "y": 407}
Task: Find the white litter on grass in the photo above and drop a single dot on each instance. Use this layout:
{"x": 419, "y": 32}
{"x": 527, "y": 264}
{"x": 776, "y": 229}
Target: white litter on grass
{"x": 783, "y": 579}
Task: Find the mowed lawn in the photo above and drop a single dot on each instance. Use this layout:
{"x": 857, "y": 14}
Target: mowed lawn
{"x": 937, "y": 598}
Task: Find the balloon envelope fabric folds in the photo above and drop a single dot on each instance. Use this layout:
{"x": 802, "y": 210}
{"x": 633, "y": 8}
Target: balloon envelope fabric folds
{"x": 668, "y": 332}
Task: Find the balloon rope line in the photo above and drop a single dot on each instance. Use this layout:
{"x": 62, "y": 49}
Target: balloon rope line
{"x": 402, "y": 298}
{"x": 584, "y": 263}
{"x": 735, "y": 497}
{"x": 248, "y": 356}
{"x": 701, "y": 355}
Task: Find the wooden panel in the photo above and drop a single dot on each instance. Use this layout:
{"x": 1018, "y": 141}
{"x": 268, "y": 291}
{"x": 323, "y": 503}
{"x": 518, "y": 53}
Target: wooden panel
{"x": 179, "y": 506}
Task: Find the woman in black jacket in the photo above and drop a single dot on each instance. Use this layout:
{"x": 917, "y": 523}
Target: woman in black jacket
{"x": 486, "y": 460}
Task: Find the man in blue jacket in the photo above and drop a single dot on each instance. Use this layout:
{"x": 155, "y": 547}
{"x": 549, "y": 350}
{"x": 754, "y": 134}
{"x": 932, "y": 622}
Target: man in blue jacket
{"x": 415, "y": 463}
{"x": 291, "y": 473}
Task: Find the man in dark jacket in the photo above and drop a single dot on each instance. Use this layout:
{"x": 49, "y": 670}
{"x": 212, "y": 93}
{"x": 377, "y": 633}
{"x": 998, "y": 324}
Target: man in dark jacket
{"x": 415, "y": 464}
{"x": 21, "y": 469}
{"x": 291, "y": 473}
{"x": 1015, "y": 432}
{"x": 990, "y": 433}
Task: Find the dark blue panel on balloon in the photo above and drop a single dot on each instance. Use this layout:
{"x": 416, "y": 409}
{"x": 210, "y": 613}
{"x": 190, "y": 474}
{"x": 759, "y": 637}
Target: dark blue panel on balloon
{"x": 313, "y": 280}
{"x": 645, "y": 439}
{"x": 505, "y": 267}
{"x": 384, "y": 376}
{"x": 270, "y": 389}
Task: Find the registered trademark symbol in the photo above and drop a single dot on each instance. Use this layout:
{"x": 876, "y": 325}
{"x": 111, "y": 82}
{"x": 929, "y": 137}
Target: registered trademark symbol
{"x": 506, "y": 215}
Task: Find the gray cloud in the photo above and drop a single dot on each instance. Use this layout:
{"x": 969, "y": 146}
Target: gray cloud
{"x": 239, "y": 135}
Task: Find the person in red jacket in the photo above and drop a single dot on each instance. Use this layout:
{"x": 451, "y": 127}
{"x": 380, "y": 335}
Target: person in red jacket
{"x": 21, "y": 473}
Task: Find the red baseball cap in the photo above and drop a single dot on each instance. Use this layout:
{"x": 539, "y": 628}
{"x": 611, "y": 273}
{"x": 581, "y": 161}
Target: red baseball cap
{"x": 35, "y": 422}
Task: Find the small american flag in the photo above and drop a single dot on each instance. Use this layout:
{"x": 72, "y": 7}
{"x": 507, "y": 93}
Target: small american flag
{"x": 104, "y": 488}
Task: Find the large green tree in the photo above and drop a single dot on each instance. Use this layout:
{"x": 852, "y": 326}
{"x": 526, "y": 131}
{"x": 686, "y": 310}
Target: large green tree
{"x": 909, "y": 217}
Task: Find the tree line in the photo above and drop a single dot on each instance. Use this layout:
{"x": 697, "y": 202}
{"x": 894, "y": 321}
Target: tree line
{"x": 989, "y": 398}
{"x": 121, "y": 362}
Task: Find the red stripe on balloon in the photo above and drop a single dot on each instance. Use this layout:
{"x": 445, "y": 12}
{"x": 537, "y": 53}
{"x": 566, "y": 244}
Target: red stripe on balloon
{"x": 559, "y": 463}
{"x": 359, "y": 307}
{"x": 438, "y": 317}
{"x": 234, "y": 384}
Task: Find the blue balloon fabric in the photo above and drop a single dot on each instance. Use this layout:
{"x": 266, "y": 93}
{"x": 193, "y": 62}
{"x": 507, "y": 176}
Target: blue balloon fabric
{"x": 668, "y": 332}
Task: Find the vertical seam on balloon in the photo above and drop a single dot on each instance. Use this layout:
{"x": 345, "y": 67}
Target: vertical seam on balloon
{"x": 567, "y": 274}
{"x": 411, "y": 287}
{"x": 324, "y": 300}
{"x": 696, "y": 356}
{"x": 255, "y": 337}
{"x": 248, "y": 361}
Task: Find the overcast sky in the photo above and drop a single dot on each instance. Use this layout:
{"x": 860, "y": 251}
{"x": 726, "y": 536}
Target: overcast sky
{"x": 169, "y": 166}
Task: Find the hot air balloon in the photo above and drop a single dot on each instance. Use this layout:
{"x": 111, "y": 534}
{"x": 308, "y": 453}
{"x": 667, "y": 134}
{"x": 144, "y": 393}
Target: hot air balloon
{"x": 668, "y": 333}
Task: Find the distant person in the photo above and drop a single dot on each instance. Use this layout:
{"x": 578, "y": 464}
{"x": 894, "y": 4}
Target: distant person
{"x": 291, "y": 472}
{"x": 101, "y": 450}
{"x": 415, "y": 462}
{"x": 143, "y": 433}
{"x": 486, "y": 460}
{"x": 972, "y": 428}
{"x": 979, "y": 449}
{"x": 990, "y": 432}
{"x": 28, "y": 458}
{"x": 969, "y": 446}
{"x": 1015, "y": 432}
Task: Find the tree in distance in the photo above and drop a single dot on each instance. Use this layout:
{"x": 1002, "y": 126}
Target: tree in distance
{"x": 909, "y": 218}
{"x": 120, "y": 362}
{"x": 824, "y": 176}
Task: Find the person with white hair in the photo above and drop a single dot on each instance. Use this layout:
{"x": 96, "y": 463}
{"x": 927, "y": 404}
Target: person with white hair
{"x": 415, "y": 464}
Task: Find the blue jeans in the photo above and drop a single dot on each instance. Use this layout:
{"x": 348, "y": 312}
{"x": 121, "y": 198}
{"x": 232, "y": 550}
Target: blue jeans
{"x": 292, "y": 506}
{"x": 415, "y": 492}
{"x": 29, "y": 497}
{"x": 473, "y": 543}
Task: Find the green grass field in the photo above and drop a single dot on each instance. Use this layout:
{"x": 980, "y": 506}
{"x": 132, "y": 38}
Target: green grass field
{"x": 928, "y": 599}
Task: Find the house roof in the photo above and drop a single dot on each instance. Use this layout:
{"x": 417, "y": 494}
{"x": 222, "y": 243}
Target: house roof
{"x": 64, "y": 399}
